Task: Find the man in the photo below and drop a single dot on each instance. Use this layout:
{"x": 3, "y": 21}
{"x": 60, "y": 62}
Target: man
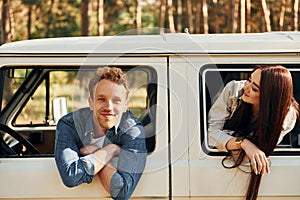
{"x": 88, "y": 139}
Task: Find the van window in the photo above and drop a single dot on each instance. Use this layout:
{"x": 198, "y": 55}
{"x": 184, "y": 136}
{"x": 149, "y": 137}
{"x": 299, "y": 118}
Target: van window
{"x": 12, "y": 80}
{"x": 38, "y": 110}
{"x": 57, "y": 91}
{"x": 213, "y": 78}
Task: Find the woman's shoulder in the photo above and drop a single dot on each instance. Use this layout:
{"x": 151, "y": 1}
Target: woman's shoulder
{"x": 236, "y": 84}
{"x": 234, "y": 88}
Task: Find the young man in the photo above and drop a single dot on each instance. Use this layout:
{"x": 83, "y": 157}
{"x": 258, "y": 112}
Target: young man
{"x": 88, "y": 139}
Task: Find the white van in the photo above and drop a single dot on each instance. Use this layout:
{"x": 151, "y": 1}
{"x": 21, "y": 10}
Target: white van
{"x": 174, "y": 79}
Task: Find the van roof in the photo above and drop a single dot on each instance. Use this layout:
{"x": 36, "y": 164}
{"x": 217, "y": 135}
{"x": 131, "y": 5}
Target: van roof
{"x": 172, "y": 43}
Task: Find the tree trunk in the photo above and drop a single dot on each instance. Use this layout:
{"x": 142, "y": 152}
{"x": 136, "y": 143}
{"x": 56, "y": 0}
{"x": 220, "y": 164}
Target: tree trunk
{"x": 100, "y": 19}
{"x": 205, "y": 17}
{"x": 281, "y": 15}
{"x": 171, "y": 16}
{"x": 198, "y": 17}
{"x": 230, "y": 19}
{"x": 29, "y": 22}
{"x": 243, "y": 16}
{"x": 85, "y": 22}
{"x": 138, "y": 16}
{"x": 5, "y": 25}
{"x": 162, "y": 14}
{"x": 189, "y": 16}
{"x": 215, "y": 16}
{"x": 248, "y": 16}
{"x": 48, "y": 23}
{"x": 179, "y": 16}
{"x": 295, "y": 14}
{"x": 11, "y": 34}
{"x": 266, "y": 15}
{"x": 235, "y": 16}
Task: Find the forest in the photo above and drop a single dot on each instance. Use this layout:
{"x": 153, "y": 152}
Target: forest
{"x": 30, "y": 19}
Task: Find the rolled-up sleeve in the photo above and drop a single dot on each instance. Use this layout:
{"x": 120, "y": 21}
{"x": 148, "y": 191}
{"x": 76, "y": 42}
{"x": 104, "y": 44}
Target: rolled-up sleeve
{"x": 73, "y": 169}
{"x": 288, "y": 123}
{"x": 221, "y": 111}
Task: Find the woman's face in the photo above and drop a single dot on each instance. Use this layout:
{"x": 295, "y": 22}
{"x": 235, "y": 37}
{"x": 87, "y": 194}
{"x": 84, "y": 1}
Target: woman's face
{"x": 252, "y": 89}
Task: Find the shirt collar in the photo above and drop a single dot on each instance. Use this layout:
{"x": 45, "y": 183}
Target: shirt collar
{"x": 89, "y": 126}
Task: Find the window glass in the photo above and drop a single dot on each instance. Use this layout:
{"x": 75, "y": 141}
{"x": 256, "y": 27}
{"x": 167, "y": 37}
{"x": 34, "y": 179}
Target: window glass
{"x": 138, "y": 80}
{"x": 212, "y": 81}
{"x": 39, "y": 109}
{"x": 13, "y": 79}
{"x": 34, "y": 112}
{"x": 61, "y": 89}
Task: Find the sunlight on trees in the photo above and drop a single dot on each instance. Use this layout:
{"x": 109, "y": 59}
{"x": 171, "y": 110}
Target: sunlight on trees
{"x": 29, "y": 19}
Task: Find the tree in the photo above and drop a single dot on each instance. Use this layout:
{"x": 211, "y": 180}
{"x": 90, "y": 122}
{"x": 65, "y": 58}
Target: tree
{"x": 248, "y": 16}
{"x": 170, "y": 16}
{"x": 282, "y": 13}
{"x": 230, "y": 18}
{"x": 243, "y": 16}
{"x": 100, "y": 18}
{"x": 215, "y": 16}
{"x": 198, "y": 17}
{"x": 189, "y": 16}
{"x": 5, "y": 29}
{"x": 295, "y": 11}
{"x": 162, "y": 14}
{"x": 205, "y": 16}
{"x": 26, "y": 19}
{"x": 266, "y": 15}
{"x": 138, "y": 16}
{"x": 179, "y": 12}
{"x": 85, "y": 21}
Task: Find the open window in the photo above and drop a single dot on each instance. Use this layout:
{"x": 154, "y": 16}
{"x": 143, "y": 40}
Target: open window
{"x": 35, "y": 101}
{"x": 214, "y": 77}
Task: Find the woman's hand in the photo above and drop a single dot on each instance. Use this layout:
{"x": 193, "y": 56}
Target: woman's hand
{"x": 259, "y": 161}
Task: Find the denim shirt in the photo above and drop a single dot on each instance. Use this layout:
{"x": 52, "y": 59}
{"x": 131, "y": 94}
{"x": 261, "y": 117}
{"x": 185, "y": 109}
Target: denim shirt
{"x": 224, "y": 107}
{"x": 75, "y": 130}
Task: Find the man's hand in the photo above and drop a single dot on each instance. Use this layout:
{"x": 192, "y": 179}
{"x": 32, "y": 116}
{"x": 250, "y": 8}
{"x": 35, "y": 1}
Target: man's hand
{"x": 259, "y": 161}
{"x": 89, "y": 149}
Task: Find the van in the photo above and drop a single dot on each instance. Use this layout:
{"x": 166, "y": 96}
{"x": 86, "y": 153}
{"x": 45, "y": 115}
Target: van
{"x": 174, "y": 79}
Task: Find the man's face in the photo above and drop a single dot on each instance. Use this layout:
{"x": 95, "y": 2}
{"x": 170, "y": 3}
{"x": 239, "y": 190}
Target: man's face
{"x": 109, "y": 103}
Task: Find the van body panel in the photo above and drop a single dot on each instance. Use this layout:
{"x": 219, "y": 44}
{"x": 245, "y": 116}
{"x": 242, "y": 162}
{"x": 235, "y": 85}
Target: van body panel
{"x": 178, "y": 127}
{"x": 182, "y": 164}
{"x": 216, "y": 181}
{"x": 175, "y": 43}
{"x": 34, "y": 184}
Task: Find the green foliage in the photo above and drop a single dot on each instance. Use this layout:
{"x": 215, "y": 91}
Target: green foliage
{"x": 59, "y": 18}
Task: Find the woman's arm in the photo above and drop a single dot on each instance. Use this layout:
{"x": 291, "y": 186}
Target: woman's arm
{"x": 258, "y": 159}
{"x": 220, "y": 111}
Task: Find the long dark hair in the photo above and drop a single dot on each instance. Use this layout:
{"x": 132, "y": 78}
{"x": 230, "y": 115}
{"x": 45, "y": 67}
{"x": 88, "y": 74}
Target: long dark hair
{"x": 276, "y": 97}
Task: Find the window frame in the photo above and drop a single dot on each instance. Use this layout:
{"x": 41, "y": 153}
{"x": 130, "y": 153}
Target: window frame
{"x": 205, "y": 105}
{"x": 152, "y": 79}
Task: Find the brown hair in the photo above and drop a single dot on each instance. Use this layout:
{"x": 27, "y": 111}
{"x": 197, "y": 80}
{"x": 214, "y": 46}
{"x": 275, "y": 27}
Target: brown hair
{"x": 113, "y": 74}
{"x": 276, "y": 97}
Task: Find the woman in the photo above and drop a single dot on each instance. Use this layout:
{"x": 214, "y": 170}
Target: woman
{"x": 252, "y": 117}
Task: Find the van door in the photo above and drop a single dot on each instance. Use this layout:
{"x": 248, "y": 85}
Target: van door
{"x": 60, "y": 83}
{"x": 208, "y": 178}
{"x": 179, "y": 131}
